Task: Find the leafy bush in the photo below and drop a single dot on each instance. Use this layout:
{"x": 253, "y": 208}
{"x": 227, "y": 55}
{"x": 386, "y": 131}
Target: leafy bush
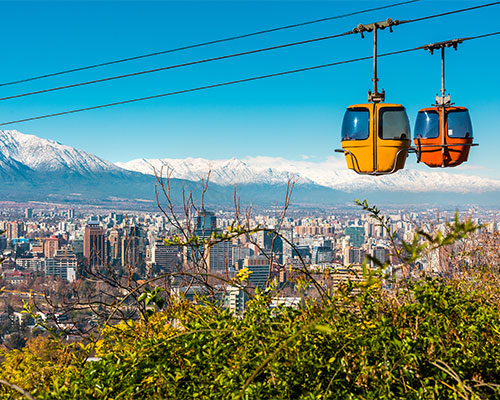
{"x": 434, "y": 339}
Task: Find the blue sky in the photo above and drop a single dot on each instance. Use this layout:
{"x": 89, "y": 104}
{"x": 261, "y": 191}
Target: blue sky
{"x": 291, "y": 117}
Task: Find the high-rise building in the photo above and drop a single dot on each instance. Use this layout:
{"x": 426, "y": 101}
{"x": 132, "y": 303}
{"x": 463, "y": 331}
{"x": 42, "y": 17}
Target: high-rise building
{"x": 354, "y": 255}
{"x": 63, "y": 264}
{"x": 28, "y": 213}
{"x": 50, "y": 246}
{"x": 94, "y": 244}
{"x": 15, "y": 229}
{"x": 259, "y": 267}
{"x": 356, "y": 235}
{"x": 206, "y": 223}
{"x": 134, "y": 247}
{"x": 239, "y": 254}
{"x": 287, "y": 239}
{"x": 115, "y": 246}
{"x": 77, "y": 244}
{"x": 235, "y": 299}
{"x": 302, "y": 252}
{"x": 220, "y": 257}
{"x": 271, "y": 243}
{"x": 118, "y": 219}
{"x": 36, "y": 248}
{"x": 381, "y": 253}
{"x": 34, "y": 264}
{"x": 322, "y": 254}
{"x": 71, "y": 213}
{"x": 166, "y": 258}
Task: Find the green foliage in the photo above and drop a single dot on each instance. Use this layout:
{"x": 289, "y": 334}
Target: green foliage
{"x": 40, "y": 322}
{"x": 152, "y": 297}
{"x": 434, "y": 339}
{"x": 42, "y": 364}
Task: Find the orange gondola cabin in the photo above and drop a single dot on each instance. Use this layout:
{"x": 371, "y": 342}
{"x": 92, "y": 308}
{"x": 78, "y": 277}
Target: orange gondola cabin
{"x": 443, "y": 136}
{"x": 375, "y": 138}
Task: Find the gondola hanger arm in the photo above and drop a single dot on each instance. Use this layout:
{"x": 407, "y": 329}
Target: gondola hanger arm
{"x": 441, "y": 45}
{"x": 443, "y": 100}
{"x": 375, "y": 96}
{"x": 388, "y": 23}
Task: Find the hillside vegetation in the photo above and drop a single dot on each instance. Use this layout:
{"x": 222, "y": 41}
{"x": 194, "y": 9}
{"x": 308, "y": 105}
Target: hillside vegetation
{"x": 435, "y": 339}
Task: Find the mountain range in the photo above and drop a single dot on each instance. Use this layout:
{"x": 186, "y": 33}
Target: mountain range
{"x": 36, "y": 169}
{"x": 331, "y": 173}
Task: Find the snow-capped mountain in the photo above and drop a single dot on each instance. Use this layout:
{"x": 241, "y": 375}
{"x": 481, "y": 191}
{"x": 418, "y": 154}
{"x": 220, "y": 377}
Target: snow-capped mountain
{"x": 32, "y": 168}
{"x": 222, "y": 172}
{"x": 331, "y": 173}
{"x": 44, "y": 155}
{"x": 38, "y": 169}
{"x": 10, "y": 167}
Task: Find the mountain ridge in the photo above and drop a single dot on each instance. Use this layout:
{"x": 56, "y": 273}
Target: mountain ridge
{"x": 331, "y": 173}
{"x": 48, "y": 155}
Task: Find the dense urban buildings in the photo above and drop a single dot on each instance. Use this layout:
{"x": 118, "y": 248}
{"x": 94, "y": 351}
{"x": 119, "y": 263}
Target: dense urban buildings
{"x": 94, "y": 244}
{"x": 62, "y": 244}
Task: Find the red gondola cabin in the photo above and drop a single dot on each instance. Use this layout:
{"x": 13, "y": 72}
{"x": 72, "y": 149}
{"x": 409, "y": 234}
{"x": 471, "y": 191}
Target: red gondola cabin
{"x": 443, "y": 143}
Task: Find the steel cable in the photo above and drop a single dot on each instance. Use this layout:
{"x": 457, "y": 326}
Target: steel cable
{"x": 233, "y": 82}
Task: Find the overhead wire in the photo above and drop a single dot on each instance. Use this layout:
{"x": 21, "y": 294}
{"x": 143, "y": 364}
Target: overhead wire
{"x": 227, "y": 56}
{"x": 450, "y": 12}
{"x": 211, "y": 42}
{"x": 255, "y": 78}
{"x": 206, "y": 60}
